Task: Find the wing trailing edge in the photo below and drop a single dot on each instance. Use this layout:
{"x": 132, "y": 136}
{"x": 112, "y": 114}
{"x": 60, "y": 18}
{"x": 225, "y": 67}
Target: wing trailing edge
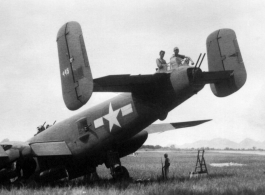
{"x": 159, "y": 128}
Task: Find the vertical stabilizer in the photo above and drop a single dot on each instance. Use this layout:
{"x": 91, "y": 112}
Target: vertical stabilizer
{"x": 76, "y": 77}
{"x": 224, "y": 54}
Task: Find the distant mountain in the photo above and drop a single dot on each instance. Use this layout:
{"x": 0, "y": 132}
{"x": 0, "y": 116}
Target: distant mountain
{"x": 249, "y": 143}
{"x": 5, "y": 140}
{"x": 219, "y": 143}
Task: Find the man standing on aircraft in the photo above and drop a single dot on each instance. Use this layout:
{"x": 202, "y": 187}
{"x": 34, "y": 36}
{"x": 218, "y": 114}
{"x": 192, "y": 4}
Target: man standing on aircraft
{"x": 176, "y": 59}
{"x": 161, "y": 63}
{"x": 166, "y": 167}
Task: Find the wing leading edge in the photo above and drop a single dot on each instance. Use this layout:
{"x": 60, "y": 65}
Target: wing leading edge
{"x": 160, "y": 128}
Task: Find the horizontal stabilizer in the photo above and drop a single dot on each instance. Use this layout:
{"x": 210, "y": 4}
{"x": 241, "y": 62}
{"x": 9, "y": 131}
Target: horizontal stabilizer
{"x": 50, "y": 149}
{"x": 212, "y": 77}
{"x": 131, "y": 83}
{"x": 223, "y": 55}
{"x": 156, "y": 128}
{"x": 76, "y": 76}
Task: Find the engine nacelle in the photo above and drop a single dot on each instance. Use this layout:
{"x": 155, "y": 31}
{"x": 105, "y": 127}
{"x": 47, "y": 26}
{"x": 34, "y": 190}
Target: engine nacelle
{"x": 21, "y": 168}
{"x": 7, "y": 174}
{"x": 131, "y": 145}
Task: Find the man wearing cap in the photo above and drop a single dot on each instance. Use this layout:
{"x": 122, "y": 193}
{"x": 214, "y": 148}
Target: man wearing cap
{"x": 176, "y": 59}
{"x": 161, "y": 63}
{"x": 166, "y": 167}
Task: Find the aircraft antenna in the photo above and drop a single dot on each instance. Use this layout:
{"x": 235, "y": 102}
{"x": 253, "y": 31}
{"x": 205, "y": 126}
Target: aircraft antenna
{"x": 198, "y": 60}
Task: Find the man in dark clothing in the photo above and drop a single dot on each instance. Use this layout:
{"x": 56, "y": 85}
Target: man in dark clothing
{"x": 166, "y": 167}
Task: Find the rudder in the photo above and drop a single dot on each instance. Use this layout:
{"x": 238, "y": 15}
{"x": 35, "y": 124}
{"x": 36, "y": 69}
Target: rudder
{"x": 224, "y": 54}
{"x": 76, "y": 76}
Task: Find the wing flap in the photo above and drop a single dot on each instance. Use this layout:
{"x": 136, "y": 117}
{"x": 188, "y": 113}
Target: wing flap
{"x": 50, "y": 149}
{"x": 159, "y": 128}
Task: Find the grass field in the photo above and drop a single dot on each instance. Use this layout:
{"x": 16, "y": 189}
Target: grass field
{"x": 248, "y": 179}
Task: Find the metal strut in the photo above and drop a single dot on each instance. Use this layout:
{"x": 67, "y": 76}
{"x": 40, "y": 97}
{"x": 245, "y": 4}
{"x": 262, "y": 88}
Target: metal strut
{"x": 113, "y": 159}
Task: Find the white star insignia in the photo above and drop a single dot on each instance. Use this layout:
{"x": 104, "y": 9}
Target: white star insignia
{"x": 112, "y": 117}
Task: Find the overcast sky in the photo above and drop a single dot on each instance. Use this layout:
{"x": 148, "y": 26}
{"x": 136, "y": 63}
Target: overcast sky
{"x": 124, "y": 37}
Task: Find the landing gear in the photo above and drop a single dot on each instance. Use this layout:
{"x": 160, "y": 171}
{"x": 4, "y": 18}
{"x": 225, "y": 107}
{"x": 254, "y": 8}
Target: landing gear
{"x": 117, "y": 171}
{"x": 121, "y": 173}
{"x": 10, "y": 174}
{"x": 91, "y": 175}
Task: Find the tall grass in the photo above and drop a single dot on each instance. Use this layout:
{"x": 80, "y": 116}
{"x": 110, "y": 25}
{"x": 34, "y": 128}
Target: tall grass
{"x": 248, "y": 179}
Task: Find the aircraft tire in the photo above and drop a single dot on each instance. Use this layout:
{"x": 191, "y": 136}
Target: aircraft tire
{"x": 121, "y": 173}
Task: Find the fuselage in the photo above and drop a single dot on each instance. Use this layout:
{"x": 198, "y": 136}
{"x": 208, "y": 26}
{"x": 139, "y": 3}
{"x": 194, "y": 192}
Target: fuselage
{"x": 93, "y": 132}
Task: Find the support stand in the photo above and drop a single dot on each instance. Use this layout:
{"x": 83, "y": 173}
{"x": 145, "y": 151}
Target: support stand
{"x": 200, "y": 167}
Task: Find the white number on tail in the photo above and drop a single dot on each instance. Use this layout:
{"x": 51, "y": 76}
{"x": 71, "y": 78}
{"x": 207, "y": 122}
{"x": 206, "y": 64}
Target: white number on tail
{"x": 66, "y": 72}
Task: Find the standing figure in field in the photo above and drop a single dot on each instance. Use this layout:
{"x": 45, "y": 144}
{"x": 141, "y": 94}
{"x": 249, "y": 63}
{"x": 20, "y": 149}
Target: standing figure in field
{"x": 166, "y": 166}
{"x": 161, "y": 63}
{"x": 176, "y": 59}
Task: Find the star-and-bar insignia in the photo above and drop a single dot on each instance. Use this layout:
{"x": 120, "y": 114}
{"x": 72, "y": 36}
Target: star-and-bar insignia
{"x": 112, "y": 116}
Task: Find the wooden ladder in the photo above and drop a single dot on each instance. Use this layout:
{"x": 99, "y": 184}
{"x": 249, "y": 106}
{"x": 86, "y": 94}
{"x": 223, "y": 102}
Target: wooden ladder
{"x": 200, "y": 167}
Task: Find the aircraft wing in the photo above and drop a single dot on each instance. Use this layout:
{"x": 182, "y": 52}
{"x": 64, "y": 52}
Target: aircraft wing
{"x": 11, "y": 151}
{"x": 8, "y": 146}
{"x": 160, "y": 128}
{"x": 59, "y": 148}
{"x": 50, "y": 149}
